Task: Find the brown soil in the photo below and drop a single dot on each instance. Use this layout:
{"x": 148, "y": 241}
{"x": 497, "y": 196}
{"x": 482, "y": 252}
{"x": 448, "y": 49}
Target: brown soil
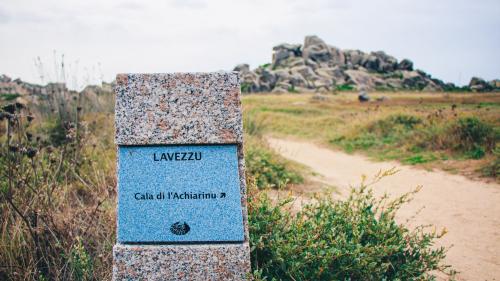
{"x": 469, "y": 210}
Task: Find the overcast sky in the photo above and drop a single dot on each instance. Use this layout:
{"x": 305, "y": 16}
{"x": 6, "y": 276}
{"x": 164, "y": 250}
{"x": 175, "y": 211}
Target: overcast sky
{"x": 450, "y": 39}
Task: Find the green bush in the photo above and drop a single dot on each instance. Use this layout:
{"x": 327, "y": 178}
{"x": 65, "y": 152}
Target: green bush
{"x": 355, "y": 239}
{"x": 394, "y": 124}
{"x": 345, "y": 87}
{"x": 474, "y": 136}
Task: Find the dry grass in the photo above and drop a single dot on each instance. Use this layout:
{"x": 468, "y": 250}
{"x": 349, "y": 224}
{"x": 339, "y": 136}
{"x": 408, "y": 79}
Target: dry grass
{"x": 342, "y": 122}
{"x": 57, "y": 202}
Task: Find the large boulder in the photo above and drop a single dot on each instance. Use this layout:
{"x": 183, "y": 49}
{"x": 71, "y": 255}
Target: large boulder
{"x": 477, "y": 84}
{"x": 371, "y": 62}
{"x": 242, "y": 67}
{"x": 267, "y": 79}
{"x": 337, "y": 56}
{"x": 316, "y": 49}
{"x": 297, "y": 80}
{"x": 294, "y": 48}
{"x": 334, "y": 74}
{"x": 362, "y": 79}
{"x": 280, "y": 56}
{"x": 354, "y": 57}
{"x": 287, "y": 56}
{"x": 405, "y": 64}
{"x": 495, "y": 84}
{"x": 317, "y": 66}
{"x": 306, "y": 72}
{"x": 5, "y": 79}
{"x": 249, "y": 79}
{"x": 379, "y": 62}
{"x": 414, "y": 80}
{"x": 387, "y": 63}
{"x": 281, "y": 75}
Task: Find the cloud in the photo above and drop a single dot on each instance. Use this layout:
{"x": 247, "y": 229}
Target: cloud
{"x": 445, "y": 38}
{"x": 189, "y": 4}
{"x": 129, "y": 5}
{"x": 4, "y": 16}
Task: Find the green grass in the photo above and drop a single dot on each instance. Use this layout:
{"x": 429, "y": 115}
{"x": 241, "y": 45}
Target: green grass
{"x": 9, "y": 97}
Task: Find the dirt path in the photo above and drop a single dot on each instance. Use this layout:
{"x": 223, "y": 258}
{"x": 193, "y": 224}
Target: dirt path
{"x": 469, "y": 210}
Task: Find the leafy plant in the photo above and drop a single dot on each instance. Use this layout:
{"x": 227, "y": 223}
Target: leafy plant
{"x": 474, "y": 136}
{"x": 353, "y": 239}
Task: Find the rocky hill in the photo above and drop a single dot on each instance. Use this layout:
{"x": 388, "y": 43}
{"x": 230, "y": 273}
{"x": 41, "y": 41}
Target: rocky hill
{"x": 317, "y": 66}
{"x": 56, "y": 97}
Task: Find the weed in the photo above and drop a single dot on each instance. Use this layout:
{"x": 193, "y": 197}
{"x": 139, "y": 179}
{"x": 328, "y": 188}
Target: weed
{"x": 80, "y": 262}
{"x": 51, "y": 200}
{"x": 474, "y": 136}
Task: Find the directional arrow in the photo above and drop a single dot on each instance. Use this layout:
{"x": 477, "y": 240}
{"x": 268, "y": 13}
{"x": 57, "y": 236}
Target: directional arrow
{"x": 222, "y": 195}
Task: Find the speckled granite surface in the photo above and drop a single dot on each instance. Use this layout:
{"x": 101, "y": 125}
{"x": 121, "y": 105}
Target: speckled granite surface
{"x": 181, "y": 262}
{"x": 178, "y": 108}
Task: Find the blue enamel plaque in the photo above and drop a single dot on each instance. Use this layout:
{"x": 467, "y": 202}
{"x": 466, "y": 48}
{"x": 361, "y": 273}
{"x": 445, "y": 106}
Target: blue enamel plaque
{"x": 185, "y": 193}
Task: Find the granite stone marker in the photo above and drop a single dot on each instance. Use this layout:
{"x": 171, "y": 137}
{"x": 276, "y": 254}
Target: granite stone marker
{"x": 181, "y": 182}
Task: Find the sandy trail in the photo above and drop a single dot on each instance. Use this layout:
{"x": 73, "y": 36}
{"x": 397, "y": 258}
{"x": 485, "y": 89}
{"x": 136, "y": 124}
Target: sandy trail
{"x": 469, "y": 210}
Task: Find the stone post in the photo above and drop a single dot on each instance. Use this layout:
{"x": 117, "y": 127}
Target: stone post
{"x": 181, "y": 178}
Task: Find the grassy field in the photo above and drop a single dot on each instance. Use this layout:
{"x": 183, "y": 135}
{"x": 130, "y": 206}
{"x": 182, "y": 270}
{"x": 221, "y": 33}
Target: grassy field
{"x": 58, "y": 186}
{"x": 458, "y": 133}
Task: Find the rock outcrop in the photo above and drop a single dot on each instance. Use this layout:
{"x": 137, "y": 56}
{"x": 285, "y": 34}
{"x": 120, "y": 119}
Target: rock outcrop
{"x": 54, "y": 96}
{"x": 316, "y": 66}
{"x": 477, "y": 84}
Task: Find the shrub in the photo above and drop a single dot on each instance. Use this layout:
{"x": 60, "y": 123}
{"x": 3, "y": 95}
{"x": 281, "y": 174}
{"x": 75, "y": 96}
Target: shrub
{"x": 387, "y": 131}
{"x": 355, "y": 239}
{"x": 492, "y": 169}
{"x": 345, "y": 87}
{"x": 394, "y": 124}
{"x": 474, "y": 136}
